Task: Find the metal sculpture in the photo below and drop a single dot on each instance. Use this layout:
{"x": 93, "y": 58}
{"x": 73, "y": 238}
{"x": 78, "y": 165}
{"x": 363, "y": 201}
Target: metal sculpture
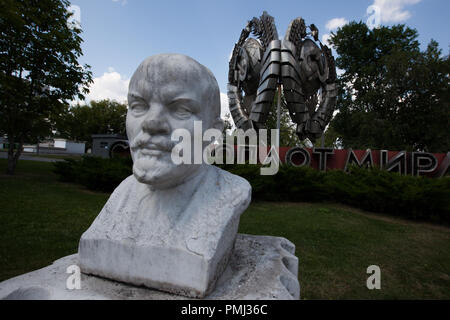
{"x": 296, "y": 65}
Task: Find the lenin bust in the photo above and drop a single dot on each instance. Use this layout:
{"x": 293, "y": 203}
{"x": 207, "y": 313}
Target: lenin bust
{"x": 168, "y": 226}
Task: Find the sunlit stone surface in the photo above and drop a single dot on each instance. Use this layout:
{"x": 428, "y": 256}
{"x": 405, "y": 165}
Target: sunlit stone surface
{"x": 260, "y": 267}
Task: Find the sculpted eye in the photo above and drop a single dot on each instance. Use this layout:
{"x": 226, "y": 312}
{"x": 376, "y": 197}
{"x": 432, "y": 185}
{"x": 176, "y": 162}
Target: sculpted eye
{"x": 183, "y": 112}
{"x": 138, "y": 108}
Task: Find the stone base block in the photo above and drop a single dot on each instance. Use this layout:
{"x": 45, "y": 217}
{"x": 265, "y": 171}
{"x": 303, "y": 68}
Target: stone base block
{"x": 261, "y": 267}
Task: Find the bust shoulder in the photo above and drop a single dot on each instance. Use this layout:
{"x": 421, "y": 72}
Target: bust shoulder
{"x": 233, "y": 187}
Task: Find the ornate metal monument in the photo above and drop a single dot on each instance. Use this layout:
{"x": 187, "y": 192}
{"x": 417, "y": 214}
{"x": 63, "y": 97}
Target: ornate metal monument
{"x": 304, "y": 72}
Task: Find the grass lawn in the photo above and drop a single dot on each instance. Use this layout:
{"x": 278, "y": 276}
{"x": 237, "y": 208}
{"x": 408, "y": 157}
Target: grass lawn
{"x": 42, "y": 220}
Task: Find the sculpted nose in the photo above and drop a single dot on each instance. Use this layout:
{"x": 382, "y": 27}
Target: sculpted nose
{"x": 156, "y": 121}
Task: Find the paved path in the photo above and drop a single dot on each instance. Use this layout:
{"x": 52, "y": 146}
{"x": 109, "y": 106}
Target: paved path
{"x": 4, "y": 155}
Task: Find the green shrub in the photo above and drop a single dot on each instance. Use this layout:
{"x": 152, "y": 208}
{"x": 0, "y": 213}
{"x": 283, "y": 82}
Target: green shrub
{"x": 93, "y": 172}
{"x": 373, "y": 190}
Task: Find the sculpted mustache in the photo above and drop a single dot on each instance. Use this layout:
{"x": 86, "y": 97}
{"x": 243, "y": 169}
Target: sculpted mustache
{"x": 162, "y": 145}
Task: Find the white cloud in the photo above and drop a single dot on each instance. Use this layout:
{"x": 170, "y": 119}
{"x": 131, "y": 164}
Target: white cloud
{"x": 111, "y": 85}
{"x": 394, "y": 10}
{"x": 122, "y": 2}
{"x": 332, "y": 25}
{"x": 336, "y": 23}
{"x": 325, "y": 38}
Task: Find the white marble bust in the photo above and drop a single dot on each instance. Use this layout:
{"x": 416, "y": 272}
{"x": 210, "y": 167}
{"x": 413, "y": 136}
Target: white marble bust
{"x": 168, "y": 226}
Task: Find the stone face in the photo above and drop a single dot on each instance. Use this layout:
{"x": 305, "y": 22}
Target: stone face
{"x": 130, "y": 242}
{"x": 260, "y": 267}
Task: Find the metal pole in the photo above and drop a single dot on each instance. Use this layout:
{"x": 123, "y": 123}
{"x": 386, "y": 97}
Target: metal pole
{"x": 279, "y": 112}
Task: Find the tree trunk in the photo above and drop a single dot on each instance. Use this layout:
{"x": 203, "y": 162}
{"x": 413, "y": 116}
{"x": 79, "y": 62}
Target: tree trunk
{"x": 11, "y": 166}
{"x": 13, "y": 157}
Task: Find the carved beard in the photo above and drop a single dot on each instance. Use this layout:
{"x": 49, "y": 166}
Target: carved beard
{"x": 161, "y": 172}
{"x": 152, "y": 169}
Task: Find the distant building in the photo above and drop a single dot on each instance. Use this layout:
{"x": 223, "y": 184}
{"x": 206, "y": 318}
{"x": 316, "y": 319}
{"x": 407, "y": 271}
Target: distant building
{"x": 57, "y": 146}
{"x": 70, "y": 146}
{"x": 110, "y": 145}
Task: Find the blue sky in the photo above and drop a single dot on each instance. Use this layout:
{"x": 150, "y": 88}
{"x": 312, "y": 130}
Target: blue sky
{"x": 119, "y": 34}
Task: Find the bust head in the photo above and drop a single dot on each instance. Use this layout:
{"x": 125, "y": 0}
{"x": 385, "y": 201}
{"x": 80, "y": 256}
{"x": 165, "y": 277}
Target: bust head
{"x": 168, "y": 92}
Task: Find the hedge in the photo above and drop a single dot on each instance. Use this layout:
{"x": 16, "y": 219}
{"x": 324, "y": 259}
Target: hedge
{"x": 93, "y": 172}
{"x": 372, "y": 190}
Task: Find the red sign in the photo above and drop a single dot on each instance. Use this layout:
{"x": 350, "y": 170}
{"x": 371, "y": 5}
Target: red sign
{"x": 414, "y": 163}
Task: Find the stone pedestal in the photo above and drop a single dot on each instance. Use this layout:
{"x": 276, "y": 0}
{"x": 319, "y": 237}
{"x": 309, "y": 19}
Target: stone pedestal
{"x": 260, "y": 267}
{"x": 177, "y": 240}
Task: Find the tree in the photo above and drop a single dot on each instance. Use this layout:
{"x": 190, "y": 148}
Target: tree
{"x": 80, "y": 122}
{"x": 392, "y": 95}
{"x": 331, "y": 138}
{"x": 39, "y": 69}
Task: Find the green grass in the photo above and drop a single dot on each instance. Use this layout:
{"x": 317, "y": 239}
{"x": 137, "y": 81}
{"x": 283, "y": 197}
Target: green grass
{"x": 42, "y": 220}
{"x": 335, "y": 245}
